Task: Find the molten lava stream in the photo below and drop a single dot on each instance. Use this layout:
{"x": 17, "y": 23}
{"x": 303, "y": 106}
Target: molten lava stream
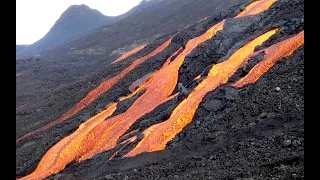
{"x": 273, "y": 54}
{"x": 103, "y": 134}
{"x": 72, "y": 146}
{"x": 68, "y": 148}
{"x": 157, "y": 136}
{"x": 95, "y": 93}
{"x": 256, "y": 7}
{"x": 162, "y": 85}
{"x": 126, "y": 55}
{"x": 77, "y": 144}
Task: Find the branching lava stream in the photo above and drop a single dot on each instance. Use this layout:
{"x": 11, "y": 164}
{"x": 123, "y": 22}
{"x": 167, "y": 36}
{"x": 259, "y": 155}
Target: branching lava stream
{"x": 95, "y": 93}
{"x": 273, "y": 54}
{"x": 157, "y": 136}
{"x": 99, "y": 134}
{"x": 104, "y": 136}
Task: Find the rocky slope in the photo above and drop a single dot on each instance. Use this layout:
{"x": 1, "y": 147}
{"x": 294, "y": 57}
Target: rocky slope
{"x": 251, "y": 132}
{"x": 99, "y": 47}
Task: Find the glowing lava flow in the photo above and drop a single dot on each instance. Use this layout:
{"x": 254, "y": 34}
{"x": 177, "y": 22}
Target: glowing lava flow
{"x": 68, "y": 148}
{"x": 256, "y": 7}
{"x": 129, "y": 53}
{"x": 72, "y": 146}
{"x": 105, "y": 136}
{"x": 95, "y": 93}
{"x": 81, "y": 142}
{"x": 157, "y": 136}
{"x": 150, "y": 76}
{"x": 273, "y": 54}
{"x": 99, "y": 134}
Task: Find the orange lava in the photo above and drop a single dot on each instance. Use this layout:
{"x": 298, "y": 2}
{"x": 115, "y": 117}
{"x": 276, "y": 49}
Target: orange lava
{"x": 68, "y": 148}
{"x": 273, "y": 54}
{"x": 158, "y": 89}
{"x": 129, "y": 53}
{"x": 140, "y": 83}
{"x": 130, "y": 133}
{"x": 157, "y": 136}
{"x": 98, "y": 133}
{"x": 169, "y": 59}
{"x": 95, "y": 93}
{"x": 256, "y": 7}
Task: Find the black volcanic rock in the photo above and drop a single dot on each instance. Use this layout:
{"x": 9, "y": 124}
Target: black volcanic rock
{"x": 74, "y": 21}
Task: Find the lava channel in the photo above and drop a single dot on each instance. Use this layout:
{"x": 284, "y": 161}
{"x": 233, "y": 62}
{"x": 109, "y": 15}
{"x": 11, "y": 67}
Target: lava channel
{"x": 157, "y": 136}
{"x": 273, "y": 54}
{"x": 95, "y": 93}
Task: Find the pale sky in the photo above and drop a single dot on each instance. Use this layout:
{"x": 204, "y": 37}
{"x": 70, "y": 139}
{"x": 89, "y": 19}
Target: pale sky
{"x": 34, "y": 18}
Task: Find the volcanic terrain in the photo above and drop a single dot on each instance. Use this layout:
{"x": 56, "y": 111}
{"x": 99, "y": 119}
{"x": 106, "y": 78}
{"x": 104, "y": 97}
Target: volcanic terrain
{"x": 220, "y": 99}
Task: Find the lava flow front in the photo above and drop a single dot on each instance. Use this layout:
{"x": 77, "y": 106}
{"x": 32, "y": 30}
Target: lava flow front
{"x": 95, "y": 93}
{"x": 157, "y": 136}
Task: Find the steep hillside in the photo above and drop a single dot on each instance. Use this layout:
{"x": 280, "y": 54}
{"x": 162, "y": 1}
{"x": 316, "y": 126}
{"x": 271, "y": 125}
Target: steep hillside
{"x": 75, "y": 20}
{"x": 221, "y": 99}
{"x": 76, "y": 60}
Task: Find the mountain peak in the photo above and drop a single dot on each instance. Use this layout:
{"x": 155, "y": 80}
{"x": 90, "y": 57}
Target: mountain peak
{"x": 79, "y": 7}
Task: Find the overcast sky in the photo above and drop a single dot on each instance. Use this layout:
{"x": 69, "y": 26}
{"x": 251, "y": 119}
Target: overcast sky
{"x": 34, "y": 18}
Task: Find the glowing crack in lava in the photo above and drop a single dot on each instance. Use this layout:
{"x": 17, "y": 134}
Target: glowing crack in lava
{"x": 256, "y": 7}
{"x": 126, "y": 55}
{"x": 157, "y": 136}
{"x": 105, "y": 134}
{"x": 273, "y": 54}
{"x": 95, "y": 93}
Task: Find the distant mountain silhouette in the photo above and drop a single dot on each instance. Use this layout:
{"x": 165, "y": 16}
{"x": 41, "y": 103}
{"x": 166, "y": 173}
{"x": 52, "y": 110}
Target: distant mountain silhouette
{"x": 74, "y": 21}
